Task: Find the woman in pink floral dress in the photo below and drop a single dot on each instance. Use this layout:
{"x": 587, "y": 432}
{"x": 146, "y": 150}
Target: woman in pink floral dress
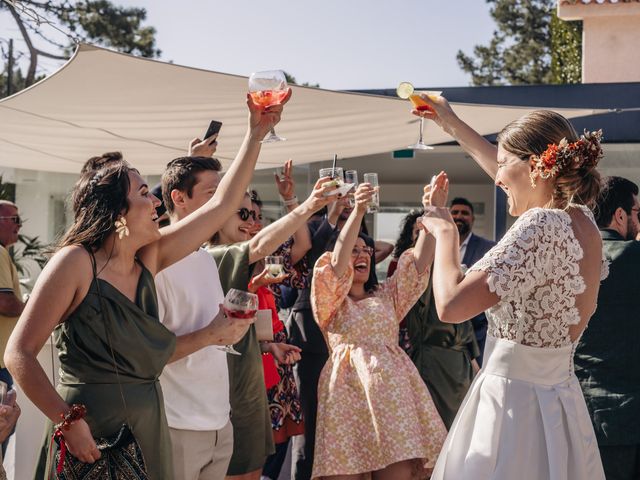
{"x": 375, "y": 415}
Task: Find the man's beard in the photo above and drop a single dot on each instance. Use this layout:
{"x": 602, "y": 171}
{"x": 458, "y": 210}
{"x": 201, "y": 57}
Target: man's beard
{"x": 463, "y": 227}
{"x": 632, "y": 231}
{"x": 344, "y": 215}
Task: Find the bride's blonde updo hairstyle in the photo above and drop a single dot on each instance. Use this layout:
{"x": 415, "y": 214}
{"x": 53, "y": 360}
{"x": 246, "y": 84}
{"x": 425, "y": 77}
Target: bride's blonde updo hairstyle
{"x": 559, "y": 153}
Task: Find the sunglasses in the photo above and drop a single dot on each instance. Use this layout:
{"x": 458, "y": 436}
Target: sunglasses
{"x": 357, "y": 251}
{"x": 16, "y": 219}
{"x": 245, "y": 213}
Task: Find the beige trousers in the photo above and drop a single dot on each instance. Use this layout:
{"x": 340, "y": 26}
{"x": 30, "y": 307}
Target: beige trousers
{"x": 201, "y": 455}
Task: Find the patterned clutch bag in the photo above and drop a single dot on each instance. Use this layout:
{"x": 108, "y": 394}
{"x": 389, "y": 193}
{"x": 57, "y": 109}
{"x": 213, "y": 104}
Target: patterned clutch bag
{"x": 120, "y": 459}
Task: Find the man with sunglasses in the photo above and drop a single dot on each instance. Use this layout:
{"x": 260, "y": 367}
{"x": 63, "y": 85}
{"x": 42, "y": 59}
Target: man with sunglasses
{"x": 11, "y": 304}
{"x": 607, "y": 357}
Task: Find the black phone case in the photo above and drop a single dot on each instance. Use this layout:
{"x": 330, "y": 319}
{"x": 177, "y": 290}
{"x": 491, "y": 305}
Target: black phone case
{"x": 214, "y": 127}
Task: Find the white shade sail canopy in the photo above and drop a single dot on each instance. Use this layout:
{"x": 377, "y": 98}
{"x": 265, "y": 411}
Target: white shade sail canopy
{"x": 103, "y": 101}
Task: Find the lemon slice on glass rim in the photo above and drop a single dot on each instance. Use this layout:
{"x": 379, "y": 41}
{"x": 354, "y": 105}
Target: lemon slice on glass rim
{"x": 404, "y": 90}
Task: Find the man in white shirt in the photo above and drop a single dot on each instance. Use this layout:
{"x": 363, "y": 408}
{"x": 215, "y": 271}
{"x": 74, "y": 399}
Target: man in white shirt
{"x": 196, "y": 388}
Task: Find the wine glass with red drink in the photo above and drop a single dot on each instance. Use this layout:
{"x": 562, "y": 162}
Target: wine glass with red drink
{"x": 239, "y": 304}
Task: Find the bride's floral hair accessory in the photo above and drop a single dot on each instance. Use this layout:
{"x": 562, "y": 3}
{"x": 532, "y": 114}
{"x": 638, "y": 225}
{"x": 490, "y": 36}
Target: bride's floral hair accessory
{"x": 586, "y": 151}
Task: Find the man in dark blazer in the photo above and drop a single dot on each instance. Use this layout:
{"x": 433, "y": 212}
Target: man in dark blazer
{"x": 607, "y": 360}
{"x": 472, "y": 249}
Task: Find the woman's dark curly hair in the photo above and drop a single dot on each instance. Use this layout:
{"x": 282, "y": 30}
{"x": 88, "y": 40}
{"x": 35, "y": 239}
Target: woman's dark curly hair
{"x": 405, "y": 240}
{"x": 98, "y": 198}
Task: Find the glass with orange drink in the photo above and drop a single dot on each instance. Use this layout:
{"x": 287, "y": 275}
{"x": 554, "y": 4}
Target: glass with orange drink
{"x": 406, "y": 91}
{"x": 267, "y": 89}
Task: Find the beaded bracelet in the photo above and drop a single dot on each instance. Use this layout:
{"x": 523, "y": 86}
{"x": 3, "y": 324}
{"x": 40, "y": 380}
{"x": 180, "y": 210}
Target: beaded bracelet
{"x": 292, "y": 201}
{"x": 75, "y": 413}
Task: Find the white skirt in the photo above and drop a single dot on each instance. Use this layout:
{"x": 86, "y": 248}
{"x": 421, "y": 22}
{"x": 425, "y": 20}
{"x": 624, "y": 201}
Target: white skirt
{"x": 524, "y": 418}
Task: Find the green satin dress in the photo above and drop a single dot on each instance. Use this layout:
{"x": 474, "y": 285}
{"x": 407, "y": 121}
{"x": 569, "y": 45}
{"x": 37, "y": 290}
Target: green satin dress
{"x": 141, "y": 345}
{"x": 442, "y": 353}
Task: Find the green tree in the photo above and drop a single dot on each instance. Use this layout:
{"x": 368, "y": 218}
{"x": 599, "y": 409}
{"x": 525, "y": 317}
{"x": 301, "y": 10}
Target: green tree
{"x": 566, "y": 51}
{"x": 94, "y": 21}
{"x": 530, "y": 46}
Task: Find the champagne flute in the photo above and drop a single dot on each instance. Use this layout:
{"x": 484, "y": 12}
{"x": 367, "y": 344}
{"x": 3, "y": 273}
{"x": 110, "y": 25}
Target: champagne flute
{"x": 274, "y": 265}
{"x": 405, "y": 91}
{"x": 239, "y": 304}
{"x": 266, "y": 89}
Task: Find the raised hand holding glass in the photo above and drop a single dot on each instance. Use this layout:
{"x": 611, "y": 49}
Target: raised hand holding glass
{"x": 266, "y": 89}
{"x": 405, "y": 91}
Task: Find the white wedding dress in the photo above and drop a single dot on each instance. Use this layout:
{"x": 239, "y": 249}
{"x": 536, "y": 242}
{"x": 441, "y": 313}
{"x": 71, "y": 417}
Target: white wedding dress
{"x": 524, "y": 416}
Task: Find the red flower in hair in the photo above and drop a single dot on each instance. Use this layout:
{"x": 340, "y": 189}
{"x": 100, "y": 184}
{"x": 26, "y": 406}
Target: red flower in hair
{"x": 550, "y": 156}
{"x": 586, "y": 150}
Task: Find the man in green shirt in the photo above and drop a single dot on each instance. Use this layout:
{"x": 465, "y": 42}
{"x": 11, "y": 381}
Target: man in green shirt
{"x": 608, "y": 356}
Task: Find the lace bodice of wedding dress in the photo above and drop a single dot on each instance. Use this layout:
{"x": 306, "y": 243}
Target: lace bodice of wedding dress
{"x": 535, "y": 270}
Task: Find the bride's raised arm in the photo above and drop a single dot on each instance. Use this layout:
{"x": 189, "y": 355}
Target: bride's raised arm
{"x": 481, "y": 150}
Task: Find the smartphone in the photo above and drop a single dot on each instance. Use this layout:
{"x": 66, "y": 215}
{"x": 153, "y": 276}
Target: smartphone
{"x": 214, "y": 127}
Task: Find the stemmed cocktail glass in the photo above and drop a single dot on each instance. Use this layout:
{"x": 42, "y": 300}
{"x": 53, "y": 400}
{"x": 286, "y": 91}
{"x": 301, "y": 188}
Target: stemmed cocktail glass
{"x": 405, "y": 91}
{"x": 266, "y": 89}
{"x": 239, "y": 304}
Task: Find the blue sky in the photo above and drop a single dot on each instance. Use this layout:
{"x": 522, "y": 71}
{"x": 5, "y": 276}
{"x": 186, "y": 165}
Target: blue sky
{"x": 340, "y": 44}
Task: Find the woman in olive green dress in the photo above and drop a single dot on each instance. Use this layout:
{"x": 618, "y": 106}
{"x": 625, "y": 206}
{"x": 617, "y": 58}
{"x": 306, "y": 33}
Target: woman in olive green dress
{"x": 113, "y": 250}
{"x": 443, "y": 353}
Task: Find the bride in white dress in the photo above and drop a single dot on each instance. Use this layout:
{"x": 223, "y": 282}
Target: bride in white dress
{"x": 524, "y": 417}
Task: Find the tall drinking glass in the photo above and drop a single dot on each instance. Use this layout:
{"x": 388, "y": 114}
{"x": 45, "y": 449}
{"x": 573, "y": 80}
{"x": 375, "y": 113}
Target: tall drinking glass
{"x": 337, "y": 176}
{"x": 239, "y": 304}
{"x": 374, "y": 204}
{"x": 267, "y": 89}
{"x": 351, "y": 176}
